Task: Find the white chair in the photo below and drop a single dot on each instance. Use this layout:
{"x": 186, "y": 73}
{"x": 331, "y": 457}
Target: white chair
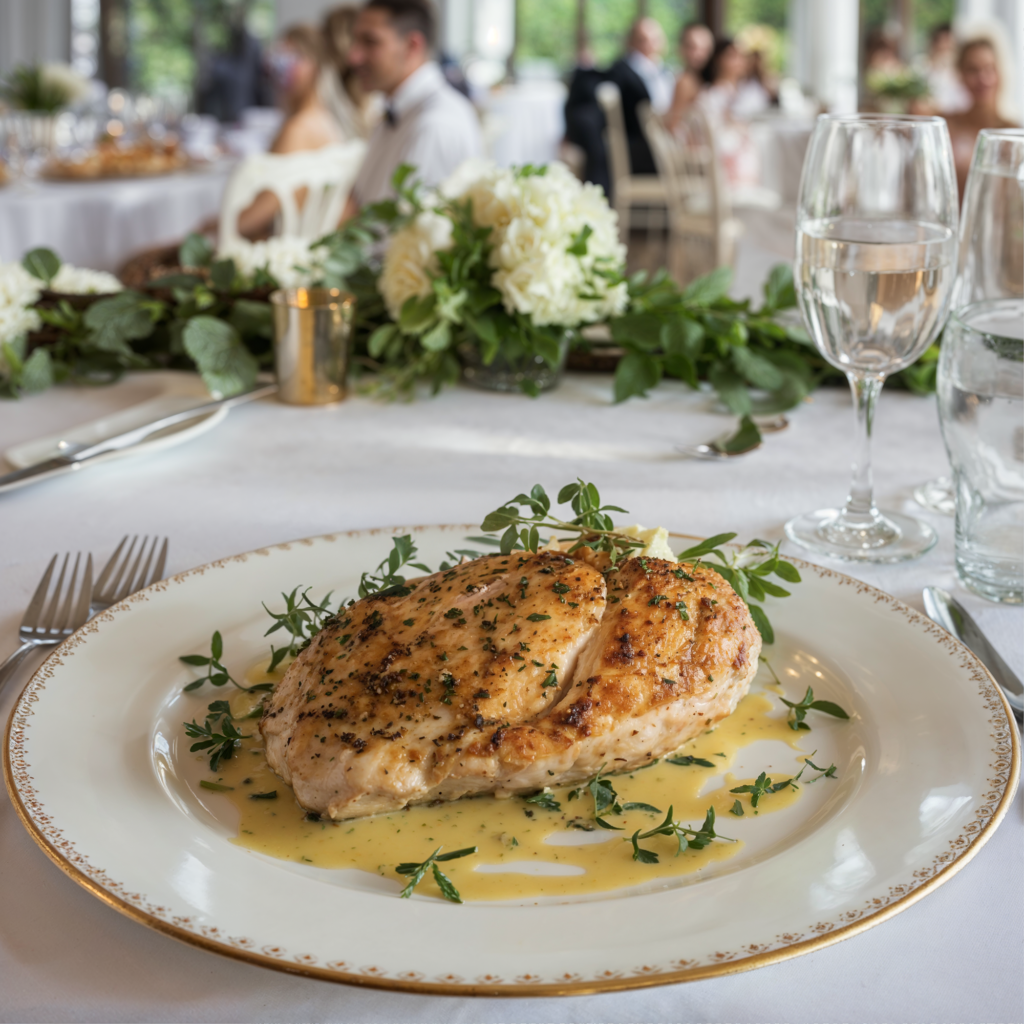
{"x": 628, "y": 190}
{"x": 702, "y": 229}
{"x": 326, "y": 176}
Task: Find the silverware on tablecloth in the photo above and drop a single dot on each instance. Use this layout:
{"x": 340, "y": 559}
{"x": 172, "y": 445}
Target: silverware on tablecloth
{"x": 46, "y": 624}
{"x": 115, "y": 585}
{"x": 945, "y": 610}
{"x": 74, "y": 456}
{"x": 720, "y": 448}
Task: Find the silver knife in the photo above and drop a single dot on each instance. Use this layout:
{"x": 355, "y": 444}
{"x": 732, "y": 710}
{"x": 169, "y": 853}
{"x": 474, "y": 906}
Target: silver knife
{"x": 74, "y": 456}
{"x": 944, "y": 609}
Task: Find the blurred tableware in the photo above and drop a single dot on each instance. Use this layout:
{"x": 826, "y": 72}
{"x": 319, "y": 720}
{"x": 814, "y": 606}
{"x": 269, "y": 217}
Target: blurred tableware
{"x": 115, "y": 585}
{"x": 745, "y": 439}
{"x": 947, "y": 611}
{"x": 875, "y": 263}
{"x": 936, "y": 496}
{"x": 71, "y": 454}
{"x": 45, "y": 625}
{"x": 312, "y": 329}
{"x": 981, "y": 410}
{"x": 990, "y": 264}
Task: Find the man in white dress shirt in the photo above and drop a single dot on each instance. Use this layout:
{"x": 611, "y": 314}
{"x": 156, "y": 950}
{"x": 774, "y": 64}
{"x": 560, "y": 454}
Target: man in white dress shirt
{"x": 427, "y": 123}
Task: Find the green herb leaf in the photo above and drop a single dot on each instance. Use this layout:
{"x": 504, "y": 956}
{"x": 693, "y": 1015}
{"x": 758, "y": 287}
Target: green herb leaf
{"x": 42, "y": 264}
{"x": 226, "y": 365}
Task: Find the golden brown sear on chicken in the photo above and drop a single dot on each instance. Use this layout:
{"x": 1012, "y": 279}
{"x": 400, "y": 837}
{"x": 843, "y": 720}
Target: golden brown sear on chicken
{"x": 506, "y": 674}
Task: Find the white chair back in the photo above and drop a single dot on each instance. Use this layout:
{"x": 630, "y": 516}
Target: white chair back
{"x": 702, "y": 229}
{"x": 311, "y": 187}
{"x": 628, "y": 189}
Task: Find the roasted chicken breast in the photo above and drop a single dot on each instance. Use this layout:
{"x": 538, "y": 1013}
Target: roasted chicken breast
{"x": 507, "y": 674}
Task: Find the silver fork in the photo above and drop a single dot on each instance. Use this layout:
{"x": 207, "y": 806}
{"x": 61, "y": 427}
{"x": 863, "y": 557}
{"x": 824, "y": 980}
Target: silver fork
{"x": 122, "y": 576}
{"x": 46, "y": 625}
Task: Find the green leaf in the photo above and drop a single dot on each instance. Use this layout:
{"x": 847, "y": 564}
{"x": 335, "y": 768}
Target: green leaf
{"x": 438, "y": 338}
{"x": 779, "y": 292}
{"x": 638, "y": 330}
{"x": 683, "y": 336}
{"x": 226, "y": 365}
{"x": 635, "y": 805}
{"x": 444, "y": 883}
{"x": 787, "y": 571}
{"x": 418, "y": 313}
{"x": 252, "y": 319}
{"x": 764, "y": 627}
{"x": 635, "y": 375}
{"x": 537, "y": 617}
{"x": 708, "y": 289}
{"x": 757, "y": 370}
{"x": 222, "y": 274}
{"x": 737, "y": 809}
{"x": 746, "y": 437}
{"x": 37, "y": 372}
{"x": 195, "y": 251}
{"x": 127, "y": 316}
{"x": 42, "y": 264}
{"x": 730, "y": 387}
{"x": 829, "y": 708}
{"x": 705, "y": 546}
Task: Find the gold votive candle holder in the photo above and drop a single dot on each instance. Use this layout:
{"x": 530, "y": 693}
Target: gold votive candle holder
{"x": 312, "y": 334}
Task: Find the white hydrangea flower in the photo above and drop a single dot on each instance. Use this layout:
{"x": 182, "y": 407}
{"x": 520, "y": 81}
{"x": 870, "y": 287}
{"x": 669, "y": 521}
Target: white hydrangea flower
{"x": 19, "y": 291}
{"x": 410, "y": 259}
{"x": 292, "y": 262}
{"x": 71, "y": 280}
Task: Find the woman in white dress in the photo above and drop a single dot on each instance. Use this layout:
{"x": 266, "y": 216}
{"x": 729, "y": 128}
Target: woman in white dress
{"x": 338, "y": 86}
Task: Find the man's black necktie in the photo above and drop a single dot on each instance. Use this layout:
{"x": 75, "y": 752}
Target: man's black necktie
{"x": 390, "y": 116}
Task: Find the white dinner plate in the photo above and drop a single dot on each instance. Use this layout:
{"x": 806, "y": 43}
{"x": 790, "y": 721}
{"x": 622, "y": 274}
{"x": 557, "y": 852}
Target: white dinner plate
{"x": 97, "y": 766}
{"x": 179, "y": 391}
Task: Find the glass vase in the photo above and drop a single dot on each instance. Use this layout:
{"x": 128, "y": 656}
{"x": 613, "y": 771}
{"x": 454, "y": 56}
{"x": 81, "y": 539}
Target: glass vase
{"x": 509, "y": 371}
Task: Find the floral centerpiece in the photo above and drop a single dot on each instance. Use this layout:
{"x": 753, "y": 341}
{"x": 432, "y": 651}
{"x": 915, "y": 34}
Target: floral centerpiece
{"x": 499, "y": 270}
{"x": 44, "y": 88}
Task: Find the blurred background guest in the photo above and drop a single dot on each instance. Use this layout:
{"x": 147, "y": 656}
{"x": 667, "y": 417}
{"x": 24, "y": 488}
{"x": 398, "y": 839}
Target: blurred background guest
{"x": 641, "y": 75}
{"x": 427, "y": 123}
{"x": 945, "y": 87}
{"x": 232, "y": 79}
{"x": 584, "y": 120}
{"x": 338, "y": 84}
{"x": 297, "y": 62}
{"x": 731, "y": 97}
{"x": 979, "y": 67}
{"x": 696, "y": 44}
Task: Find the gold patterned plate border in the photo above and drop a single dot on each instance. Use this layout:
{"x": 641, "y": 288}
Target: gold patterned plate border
{"x": 45, "y": 831}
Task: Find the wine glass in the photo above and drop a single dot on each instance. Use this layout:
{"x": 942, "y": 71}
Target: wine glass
{"x": 875, "y": 263}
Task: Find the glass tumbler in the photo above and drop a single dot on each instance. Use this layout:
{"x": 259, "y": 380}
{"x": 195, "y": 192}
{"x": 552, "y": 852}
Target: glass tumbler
{"x": 981, "y": 409}
{"x": 312, "y": 331}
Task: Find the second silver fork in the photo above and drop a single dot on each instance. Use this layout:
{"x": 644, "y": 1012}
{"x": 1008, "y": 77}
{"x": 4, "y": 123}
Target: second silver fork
{"x": 125, "y": 574}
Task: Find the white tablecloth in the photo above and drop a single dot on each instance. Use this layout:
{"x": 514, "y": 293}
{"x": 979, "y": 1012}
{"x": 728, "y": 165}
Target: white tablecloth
{"x": 99, "y": 224}
{"x": 524, "y": 123}
{"x": 271, "y": 473}
{"x": 782, "y": 144}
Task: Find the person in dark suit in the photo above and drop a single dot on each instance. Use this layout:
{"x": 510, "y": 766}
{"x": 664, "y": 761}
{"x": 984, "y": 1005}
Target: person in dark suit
{"x": 584, "y": 122}
{"x": 641, "y": 76}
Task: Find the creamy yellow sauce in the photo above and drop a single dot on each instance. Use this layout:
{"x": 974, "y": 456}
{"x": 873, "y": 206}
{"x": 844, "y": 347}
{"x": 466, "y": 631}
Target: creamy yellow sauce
{"x": 510, "y": 833}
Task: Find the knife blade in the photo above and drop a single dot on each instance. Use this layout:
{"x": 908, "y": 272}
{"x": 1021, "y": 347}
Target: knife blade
{"x": 74, "y": 456}
{"x": 944, "y": 609}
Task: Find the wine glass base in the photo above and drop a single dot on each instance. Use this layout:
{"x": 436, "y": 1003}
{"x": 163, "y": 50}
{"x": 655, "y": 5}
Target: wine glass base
{"x": 937, "y": 496}
{"x": 887, "y": 537}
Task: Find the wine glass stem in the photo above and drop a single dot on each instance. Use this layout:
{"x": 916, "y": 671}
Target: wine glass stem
{"x": 860, "y": 504}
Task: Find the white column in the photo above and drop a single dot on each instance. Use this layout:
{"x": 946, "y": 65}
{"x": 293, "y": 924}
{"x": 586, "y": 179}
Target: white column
{"x": 32, "y": 31}
{"x": 825, "y": 41}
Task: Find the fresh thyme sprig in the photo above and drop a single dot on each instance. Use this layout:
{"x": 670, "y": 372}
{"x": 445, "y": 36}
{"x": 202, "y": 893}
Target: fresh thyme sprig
{"x": 798, "y": 711}
{"x": 699, "y": 838}
{"x": 385, "y": 580}
{"x": 216, "y": 673}
{"x": 217, "y": 734}
{"x": 763, "y": 785}
{"x": 746, "y": 570}
{"x": 546, "y": 799}
{"x": 302, "y": 617}
{"x": 444, "y": 883}
{"x": 592, "y": 522}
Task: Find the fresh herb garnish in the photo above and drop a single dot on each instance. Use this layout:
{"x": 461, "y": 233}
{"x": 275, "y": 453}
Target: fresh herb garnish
{"x": 385, "y": 580}
{"x": 687, "y": 759}
{"x": 746, "y": 570}
{"x": 302, "y": 617}
{"x": 737, "y": 809}
{"x": 698, "y": 838}
{"x": 216, "y": 787}
{"x": 217, "y": 735}
{"x": 216, "y": 673}
{"x": 444, "y": 883}
{"x": 798, "y": 711}
{"x": 269, "y": 795}
{"x": 546, "y": 799}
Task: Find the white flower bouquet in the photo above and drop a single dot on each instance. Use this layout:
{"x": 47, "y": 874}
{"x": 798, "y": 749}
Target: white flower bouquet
{"x": 494, "y": 272}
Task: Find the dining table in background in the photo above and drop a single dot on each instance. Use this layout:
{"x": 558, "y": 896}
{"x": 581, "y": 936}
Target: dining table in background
{"x": 100, "y": 224}
{"x": 271, "y": 473}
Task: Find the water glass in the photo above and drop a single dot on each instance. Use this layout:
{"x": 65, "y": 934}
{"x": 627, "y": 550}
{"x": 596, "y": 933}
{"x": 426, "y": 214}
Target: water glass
{"x": 981, "y": 409}
{"x": 312, "y": 332}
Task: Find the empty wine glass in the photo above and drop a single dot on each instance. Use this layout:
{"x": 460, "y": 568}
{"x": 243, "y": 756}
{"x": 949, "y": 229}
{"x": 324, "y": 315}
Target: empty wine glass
{"x": 875, "y": 263}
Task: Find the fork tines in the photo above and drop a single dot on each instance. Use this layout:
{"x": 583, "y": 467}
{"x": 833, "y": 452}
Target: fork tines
{"x": 68, "y": 606}
{"x": 124, "y": 575}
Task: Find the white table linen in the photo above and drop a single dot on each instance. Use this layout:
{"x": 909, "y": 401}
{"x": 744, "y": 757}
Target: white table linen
{"x": 272, "y": 472}
{"x": 99, "y": 224}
